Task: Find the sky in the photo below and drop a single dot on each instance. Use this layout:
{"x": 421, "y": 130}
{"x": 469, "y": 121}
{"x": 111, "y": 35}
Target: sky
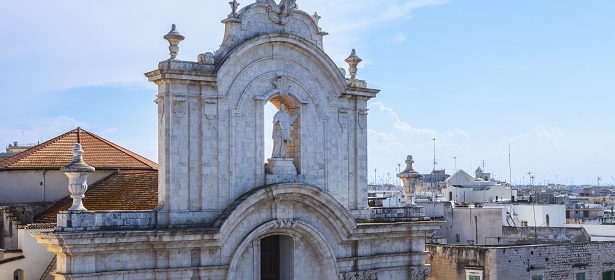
{"x": 476, "y": 76}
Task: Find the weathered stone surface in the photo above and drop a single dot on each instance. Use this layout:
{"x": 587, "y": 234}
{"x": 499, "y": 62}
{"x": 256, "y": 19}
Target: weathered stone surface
{"x": 218, "y": 202}
{"x": 559, "y": 261}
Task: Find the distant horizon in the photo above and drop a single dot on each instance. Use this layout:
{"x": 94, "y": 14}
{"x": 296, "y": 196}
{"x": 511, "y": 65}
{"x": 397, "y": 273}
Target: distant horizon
{"x": 476, "y": 76}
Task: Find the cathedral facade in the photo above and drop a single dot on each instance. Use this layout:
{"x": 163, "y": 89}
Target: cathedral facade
{"x": 226, "y": 211}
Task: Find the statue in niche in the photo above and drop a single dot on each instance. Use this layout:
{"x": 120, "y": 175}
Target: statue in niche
{"x": 282, "y": 125}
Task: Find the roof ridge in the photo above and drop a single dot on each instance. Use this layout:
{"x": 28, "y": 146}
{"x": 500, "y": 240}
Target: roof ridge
{"x": 6, "y": 163}
{"x": 55, "y": 153}
{"x": 138, "y": 157}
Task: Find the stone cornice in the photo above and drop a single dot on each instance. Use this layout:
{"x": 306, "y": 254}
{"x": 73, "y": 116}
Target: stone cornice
{"x": 183, "y": 71}
{"x": 365, "y": 93}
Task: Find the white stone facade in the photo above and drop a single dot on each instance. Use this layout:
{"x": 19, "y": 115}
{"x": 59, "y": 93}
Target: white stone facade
{"x": 218, "y": 203}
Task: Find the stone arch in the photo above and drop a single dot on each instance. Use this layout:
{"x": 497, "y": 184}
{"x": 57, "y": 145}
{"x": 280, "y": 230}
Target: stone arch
{"x": 299, "y": 45}
{"x": 299, "y": 230}
{"x": 244, "y": 78}
{"x": 248, "y": 92}
{"x": 320, "y": 203}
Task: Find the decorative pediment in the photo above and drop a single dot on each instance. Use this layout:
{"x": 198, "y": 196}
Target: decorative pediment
{"x": 280, "y": 13}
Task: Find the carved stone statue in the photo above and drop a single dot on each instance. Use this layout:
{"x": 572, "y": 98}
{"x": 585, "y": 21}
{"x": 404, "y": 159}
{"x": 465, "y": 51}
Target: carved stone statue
{"x": 282, "y": 125}
{"x": 285, "y": 6}
{"x": 280, "y": 13}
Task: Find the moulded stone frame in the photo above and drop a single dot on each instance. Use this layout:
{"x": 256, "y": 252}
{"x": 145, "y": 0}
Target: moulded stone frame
{"x": 295, "y": 229}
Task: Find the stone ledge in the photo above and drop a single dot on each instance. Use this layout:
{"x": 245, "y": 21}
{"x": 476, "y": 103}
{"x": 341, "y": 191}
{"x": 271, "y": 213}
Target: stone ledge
{"x": 105, "y": 220}
{"x": 396, "y": 214}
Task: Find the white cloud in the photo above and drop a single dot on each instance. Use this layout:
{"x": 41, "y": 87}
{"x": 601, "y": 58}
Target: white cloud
{"x": 541, "y": 134}
{"x": 37, "y": 129}
{"x": 390, "y": 139}
{"x": 81, "y": 44}
{"x": 397, "y": 38}
{"x": 347, "y": 21}
{"x": 355, "y": 15}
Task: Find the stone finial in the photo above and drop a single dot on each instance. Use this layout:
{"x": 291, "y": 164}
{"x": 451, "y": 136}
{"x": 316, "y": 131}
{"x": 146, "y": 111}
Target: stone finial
{"x": 343, "y": 71}
{"x": 173, "y": 37}
{"x": 207, "y": 58}
{"x": 353, "y": 60}
{"x": 77, "y": 172}
{"x": 408, "y": 178}
{"x": 316, "y": 18}
{"x": 234, "y": 6}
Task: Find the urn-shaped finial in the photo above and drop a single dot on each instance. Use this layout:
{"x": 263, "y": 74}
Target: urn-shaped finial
{"x": 353, "y": 60}
{"x": 409, "y": 177}
{"x": 77, "y": 172}
{"x": 173, "y": 37}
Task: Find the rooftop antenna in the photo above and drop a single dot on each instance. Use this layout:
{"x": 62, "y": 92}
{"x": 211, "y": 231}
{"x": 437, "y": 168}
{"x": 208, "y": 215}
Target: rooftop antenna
{"x": 375, "y": 180}
{"x": 598, "y": 180}
{"x": 433, "y": 173}
{"x": 510, "y": 175}
{"x": 434, "y": 154}
{"x": 455, "y": 163}
{"x": 533, "y": 207}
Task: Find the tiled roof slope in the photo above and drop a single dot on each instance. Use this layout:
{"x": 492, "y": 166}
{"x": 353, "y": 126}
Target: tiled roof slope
{"x": 122, "y": 190}
{"x": 56, "y": 153}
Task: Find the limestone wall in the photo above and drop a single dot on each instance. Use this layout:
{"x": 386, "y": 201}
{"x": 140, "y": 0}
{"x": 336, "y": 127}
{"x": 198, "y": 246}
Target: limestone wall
{"x": 521, "y": 262}
{"x": 450, "y": 261}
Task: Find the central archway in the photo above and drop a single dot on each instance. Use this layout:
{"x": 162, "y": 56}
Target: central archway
{"x": 298, "y": 240}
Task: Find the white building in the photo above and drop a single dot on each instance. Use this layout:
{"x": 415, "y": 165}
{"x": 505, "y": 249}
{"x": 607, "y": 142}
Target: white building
{"x": 30, "y": 260}
{"x": 222, "y": 212}
{"x": 462, "y": 187}
{"x": 524, "y": 215}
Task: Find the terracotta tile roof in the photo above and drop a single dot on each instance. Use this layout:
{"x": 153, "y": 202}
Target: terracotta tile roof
{"x": 56, "y": 153}
{"x": 122, "y": 190}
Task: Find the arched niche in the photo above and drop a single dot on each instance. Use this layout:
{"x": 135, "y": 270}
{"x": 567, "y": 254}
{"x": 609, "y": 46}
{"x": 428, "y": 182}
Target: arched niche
{"x": 292, "y": 107}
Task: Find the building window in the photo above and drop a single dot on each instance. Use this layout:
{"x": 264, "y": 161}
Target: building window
{"x": 18, "y": 275}
{"x": 537, "y": 277}
{"x": 276, "y": 257}
{"x": 457, "y": 238}
{"x": 523, "y": 223}
{"x": 585, "y": 214}
{"x": 579, "y": 276}
{"x": 608, "y": 275}
{"x": 474, "y": 273}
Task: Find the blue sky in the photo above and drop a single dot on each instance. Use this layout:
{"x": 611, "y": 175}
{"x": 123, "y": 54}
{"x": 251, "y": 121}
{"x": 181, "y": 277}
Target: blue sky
{"x": 474, "y": 75}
